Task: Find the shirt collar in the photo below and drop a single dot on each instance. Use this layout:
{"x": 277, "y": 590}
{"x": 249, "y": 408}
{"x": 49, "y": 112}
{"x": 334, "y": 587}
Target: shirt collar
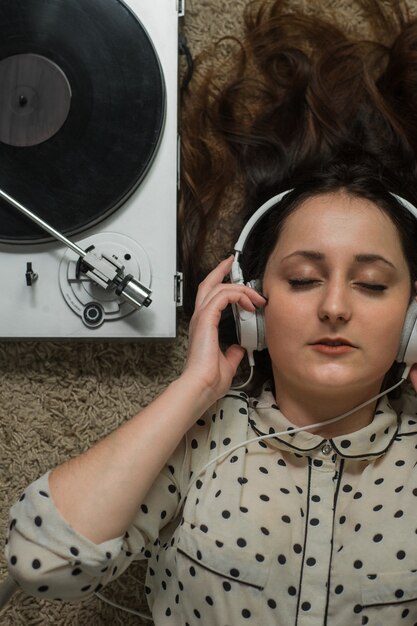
{"x": 367, "y": 443}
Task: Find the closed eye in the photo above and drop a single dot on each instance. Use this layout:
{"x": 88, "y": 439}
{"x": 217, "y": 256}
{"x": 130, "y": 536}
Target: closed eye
{"x": 372, "y": 286}
{"x": 299, "y": 283}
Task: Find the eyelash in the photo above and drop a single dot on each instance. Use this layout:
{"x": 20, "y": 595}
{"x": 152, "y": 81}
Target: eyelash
{"x": 372, "y": 287}
{"x": 299, "y": 283}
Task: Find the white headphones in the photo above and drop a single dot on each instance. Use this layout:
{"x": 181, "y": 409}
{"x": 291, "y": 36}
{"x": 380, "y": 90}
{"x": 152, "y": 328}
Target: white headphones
{"x": 250, "y": 327}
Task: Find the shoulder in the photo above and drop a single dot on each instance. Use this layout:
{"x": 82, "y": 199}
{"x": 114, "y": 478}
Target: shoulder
{"x": 226, "y": 416}
{"x": 233, "y": 402}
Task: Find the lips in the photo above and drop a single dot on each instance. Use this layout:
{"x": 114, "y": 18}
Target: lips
{"x": 333, "y": 347}
{"x": 333, "y": 341}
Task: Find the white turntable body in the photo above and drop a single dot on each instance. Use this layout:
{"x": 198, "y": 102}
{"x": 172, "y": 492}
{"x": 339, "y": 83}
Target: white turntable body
{"x": 141, "y": 234}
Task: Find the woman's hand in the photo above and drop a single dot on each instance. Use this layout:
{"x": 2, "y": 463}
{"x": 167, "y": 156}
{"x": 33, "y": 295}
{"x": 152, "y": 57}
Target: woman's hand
{"x": 207, "y": 366}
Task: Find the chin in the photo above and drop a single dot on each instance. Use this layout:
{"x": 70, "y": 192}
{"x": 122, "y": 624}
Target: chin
{"x": 343, "y": 381}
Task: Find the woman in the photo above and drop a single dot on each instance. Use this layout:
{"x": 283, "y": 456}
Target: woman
{"x": 301, "y": 527}
{"x": 314, "y": 527}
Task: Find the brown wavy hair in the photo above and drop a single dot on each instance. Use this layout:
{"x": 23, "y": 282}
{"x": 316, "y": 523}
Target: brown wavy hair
{"x": 296, "y": 98}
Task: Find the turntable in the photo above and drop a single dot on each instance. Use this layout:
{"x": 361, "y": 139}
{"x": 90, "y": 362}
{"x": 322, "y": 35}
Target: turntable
{"x": 88, "y": 169}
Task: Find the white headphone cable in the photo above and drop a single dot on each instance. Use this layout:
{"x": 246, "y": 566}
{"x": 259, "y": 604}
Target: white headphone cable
{"x": 253, "y": 440}
{"x": 299, "y": 428}
{"x": 123, "y": 608}
{"x": 247, "y": 381}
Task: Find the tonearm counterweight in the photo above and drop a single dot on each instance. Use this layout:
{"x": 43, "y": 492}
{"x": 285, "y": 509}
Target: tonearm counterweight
{"x": 104, "y": 270}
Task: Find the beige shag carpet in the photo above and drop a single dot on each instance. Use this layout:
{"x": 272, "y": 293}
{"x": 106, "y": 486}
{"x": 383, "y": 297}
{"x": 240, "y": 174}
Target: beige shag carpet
{"x": 56, "y": 399}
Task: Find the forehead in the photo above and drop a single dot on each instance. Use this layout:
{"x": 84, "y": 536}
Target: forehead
{"x": 339, "y": 222}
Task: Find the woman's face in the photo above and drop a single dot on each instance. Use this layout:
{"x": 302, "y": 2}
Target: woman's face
{"x": 338, "y": 288}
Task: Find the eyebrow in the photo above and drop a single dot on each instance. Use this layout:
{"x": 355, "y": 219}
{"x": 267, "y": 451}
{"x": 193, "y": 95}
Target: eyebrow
{"x": 313, "y": 255}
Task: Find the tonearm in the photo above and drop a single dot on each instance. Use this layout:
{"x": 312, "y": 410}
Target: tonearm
{"x": 103, "y": 270}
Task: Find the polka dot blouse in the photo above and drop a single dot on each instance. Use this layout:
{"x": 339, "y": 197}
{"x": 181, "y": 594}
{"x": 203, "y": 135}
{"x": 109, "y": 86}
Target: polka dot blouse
{"x": 296, "y": 530}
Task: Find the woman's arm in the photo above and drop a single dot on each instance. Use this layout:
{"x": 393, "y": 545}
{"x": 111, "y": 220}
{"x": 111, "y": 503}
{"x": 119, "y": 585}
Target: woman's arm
{"x": 99, "y": 492}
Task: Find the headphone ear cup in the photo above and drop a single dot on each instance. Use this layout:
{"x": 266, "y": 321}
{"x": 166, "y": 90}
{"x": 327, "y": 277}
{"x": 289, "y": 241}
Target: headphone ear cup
{"x": 260, "y": 320}
{"x": 407, "y": 352}
{"x": 250, "y": 326}
{"x": 260, "y": 317}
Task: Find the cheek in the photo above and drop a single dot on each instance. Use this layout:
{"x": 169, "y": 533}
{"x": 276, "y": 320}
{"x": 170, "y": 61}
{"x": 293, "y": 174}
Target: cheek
{"x": 283, "y": 325}
{"x": 380, "y": 330}
{"x": 385, "y": 328}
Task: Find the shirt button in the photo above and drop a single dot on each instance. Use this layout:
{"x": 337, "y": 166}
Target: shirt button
{"x": 326, "y": 448}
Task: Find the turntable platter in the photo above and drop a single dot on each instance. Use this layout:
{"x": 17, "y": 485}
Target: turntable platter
{"x": 82, "y": 107}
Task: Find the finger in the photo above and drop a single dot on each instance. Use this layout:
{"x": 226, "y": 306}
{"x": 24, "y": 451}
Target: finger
{"x": 212, "y": 310}
{"x": 234, "y": 354}
{"x": 206, "y": 320}
{"x": 215, "y": 277}
{"x": 230, "y": 289}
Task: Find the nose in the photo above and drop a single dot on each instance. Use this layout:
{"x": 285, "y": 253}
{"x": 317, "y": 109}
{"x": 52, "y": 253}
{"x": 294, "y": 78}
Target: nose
{"x": 335, "y": 305}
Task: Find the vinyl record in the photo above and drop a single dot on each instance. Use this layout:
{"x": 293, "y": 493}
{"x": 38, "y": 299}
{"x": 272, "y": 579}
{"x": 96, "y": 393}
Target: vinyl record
{"x": 82, "y": 108}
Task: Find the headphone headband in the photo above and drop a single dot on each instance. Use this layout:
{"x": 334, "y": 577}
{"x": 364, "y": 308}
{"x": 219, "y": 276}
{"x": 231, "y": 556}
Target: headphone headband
{"x": 250, "y": 225}
{"x": 406, "y": 204}
{"x": 269, "y": 204}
